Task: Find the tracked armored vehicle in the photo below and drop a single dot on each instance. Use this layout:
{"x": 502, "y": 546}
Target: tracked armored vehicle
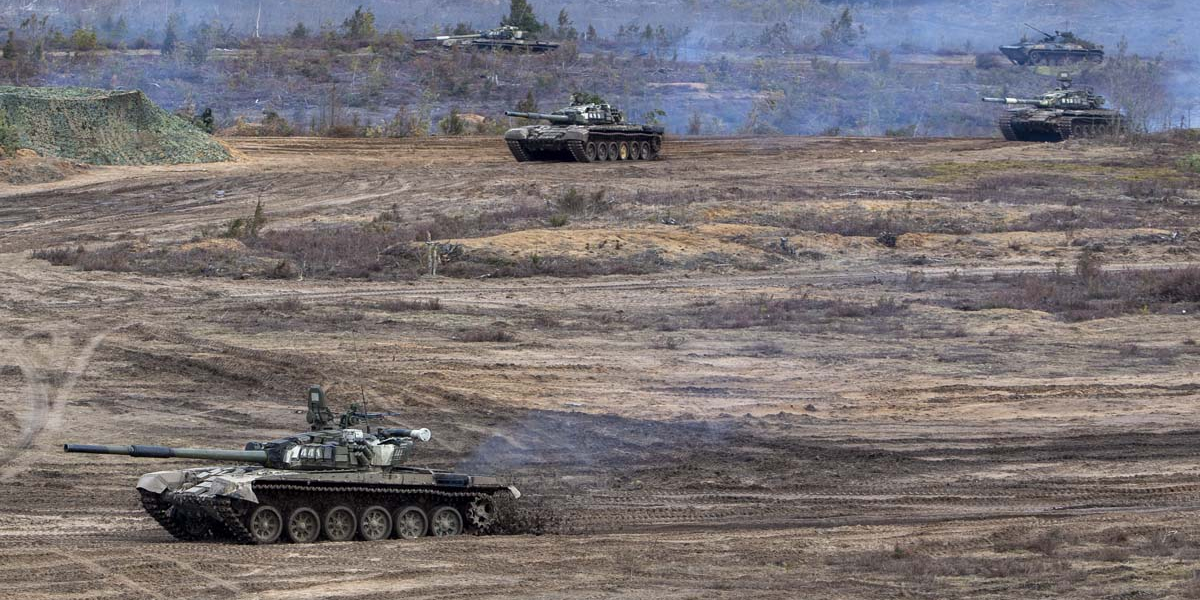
{"x": 337, "y": 481}
{"x": 583, "y": 132}
{"x": 501, "y": 38}
{"x": 1058, "y": 115}
{"x": 1061, "y": 48}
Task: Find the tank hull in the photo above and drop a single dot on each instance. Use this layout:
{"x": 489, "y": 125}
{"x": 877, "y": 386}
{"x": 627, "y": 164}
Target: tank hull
{"x": 584, "y": 143}
{"x": 1045, "y": 125}
{"x": 1050, "y": 54}
{"x": 231, "y": 503}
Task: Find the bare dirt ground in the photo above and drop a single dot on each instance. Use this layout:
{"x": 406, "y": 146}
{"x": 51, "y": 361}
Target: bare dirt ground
{"x": 833, "y": 417}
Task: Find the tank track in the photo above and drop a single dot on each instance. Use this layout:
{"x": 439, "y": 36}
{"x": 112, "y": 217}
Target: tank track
{"x": 575, "y": 147}
{"x": 160, "y": 510}
{"x": 231, "y": 524}
{"x": 1064, "y": 130}
{"x": 518, "y": 152}
{"x": 1006, "y": 128}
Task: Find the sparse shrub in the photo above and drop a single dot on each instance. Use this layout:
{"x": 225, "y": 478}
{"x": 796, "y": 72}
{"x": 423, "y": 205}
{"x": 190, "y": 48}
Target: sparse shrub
{"x": 59, "y": 256}
{"x": 558, "y": 220}
{"x": 1189, "y": 163}
{"x": 402, "y": 305}
{"x": 486, "y": 334}
{"x": 669, "y": 342}
{"x": 283, "y": 270}
{"x": 575, "y": 202}
{"x": 110, "y": 258}
{"x": 453, "y": 123}
{"x": 247, "y": 227}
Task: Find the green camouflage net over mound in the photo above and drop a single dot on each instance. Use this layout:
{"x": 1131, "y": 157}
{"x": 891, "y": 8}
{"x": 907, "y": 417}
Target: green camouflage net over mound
{"x": 104, "y": 127}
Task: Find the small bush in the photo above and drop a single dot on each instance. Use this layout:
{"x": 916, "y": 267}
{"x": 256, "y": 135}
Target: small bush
{"x": 1189, "y": 163}
{"x": 401, "y": 305}
{"x": 574, "y": 202}
{"x": 59, "y": 256}
{"x": 486, "y": 334}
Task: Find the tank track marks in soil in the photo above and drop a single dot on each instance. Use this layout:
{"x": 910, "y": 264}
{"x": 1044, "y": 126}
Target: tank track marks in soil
{"x": 234, "y": 516}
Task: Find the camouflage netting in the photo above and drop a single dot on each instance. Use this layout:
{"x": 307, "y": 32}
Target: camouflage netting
{"x": 104, "y": 127}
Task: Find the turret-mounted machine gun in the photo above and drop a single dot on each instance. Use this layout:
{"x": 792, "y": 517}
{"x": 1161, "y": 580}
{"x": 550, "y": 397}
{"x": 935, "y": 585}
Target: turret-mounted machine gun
{"x": 335, "y": 480}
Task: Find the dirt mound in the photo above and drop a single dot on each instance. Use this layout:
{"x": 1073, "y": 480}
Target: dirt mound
{"x": 103, "y": 127}
{"x": 25, "y": 170}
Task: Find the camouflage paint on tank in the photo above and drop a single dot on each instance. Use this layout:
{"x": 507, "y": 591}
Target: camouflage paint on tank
{"x": 339, "y": 466}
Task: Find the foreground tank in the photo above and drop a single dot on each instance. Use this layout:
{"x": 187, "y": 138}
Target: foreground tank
{"x": 1061, "y": 48}
{"x": 336, "y": 482}
{"x": 1058, "y": 115}
{"x": 583, "y": 132}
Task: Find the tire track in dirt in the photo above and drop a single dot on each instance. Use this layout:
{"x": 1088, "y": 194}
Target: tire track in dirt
{"x": 46, "y": 397}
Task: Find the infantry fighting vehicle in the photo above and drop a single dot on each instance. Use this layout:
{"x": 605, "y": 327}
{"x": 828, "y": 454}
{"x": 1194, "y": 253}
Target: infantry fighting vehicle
{"x": 339, "y": 480}
{"x": 583, "y": 132}
{"x": 1058, "y": 115}
{"x": 1059, "y": 49}
{"x": 503, "y": 38}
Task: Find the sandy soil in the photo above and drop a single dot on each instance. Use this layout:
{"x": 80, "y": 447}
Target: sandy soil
{"x": 938, "y": 453}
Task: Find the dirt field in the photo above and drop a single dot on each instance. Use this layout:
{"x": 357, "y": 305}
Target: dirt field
{"x": 875, "y": 406}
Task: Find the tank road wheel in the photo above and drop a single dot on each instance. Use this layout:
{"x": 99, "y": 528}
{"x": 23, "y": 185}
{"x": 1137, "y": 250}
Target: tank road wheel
{"x": 634, "y": 149}
{"x": 613, "y": 151}
{"x": 623, "y": 151}
{"x": 482, "y": 514}
{"x": 645, "y": 151}
{"x": 590, "y": 151}
{"x": 445, "y": 521}
{"x": 265, "y": 524}
{"x": 304, "y": 526}
{"x": 375, "y": 524}
{"x": 339, "y": 524}
{"x": 411, "y": 523}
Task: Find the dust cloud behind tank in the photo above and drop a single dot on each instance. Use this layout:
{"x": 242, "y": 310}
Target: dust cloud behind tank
{"x": 1059, "y": 48}
{"x": 500, "y": 38}
{"x": 338, "y": 481}
{"x": 583, "y": 132}
{"x": 1058, "y": 115}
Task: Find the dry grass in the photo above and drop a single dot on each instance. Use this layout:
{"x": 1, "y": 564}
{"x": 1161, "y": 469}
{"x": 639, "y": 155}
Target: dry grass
{"x": 1095, "y": 295}
{"x": 485, "y": 334}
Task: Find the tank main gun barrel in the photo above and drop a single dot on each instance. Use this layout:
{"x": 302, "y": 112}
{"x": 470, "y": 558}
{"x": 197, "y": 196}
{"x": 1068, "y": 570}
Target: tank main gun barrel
{"x": 251, "y": 456}
{"x": 547, "y": 117}
{"x": 1038, "y": 30}
{"x": 442, "y": 38}
{"x": 1011, "y": 100}
{"x": 421, "y": 434}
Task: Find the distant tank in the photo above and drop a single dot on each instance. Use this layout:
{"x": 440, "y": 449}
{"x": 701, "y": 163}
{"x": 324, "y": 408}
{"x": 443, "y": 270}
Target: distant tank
{"x": 583, "y": 132}
{"x": 503, "y": 38}
{"x": 1061, "y": 48}
{"x": 1058, "y": 115}
{"x": 337, "y": 481}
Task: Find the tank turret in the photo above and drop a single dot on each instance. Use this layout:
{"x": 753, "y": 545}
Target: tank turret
{"x": 356, "y": 476}
{"x": 585, "y": 131}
